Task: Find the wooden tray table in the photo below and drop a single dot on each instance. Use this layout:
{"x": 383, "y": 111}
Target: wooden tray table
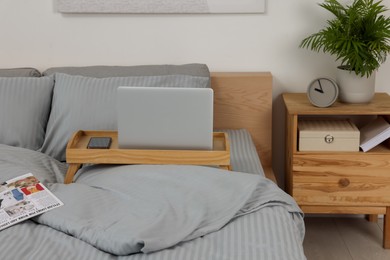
{"x": 77, "y": 153}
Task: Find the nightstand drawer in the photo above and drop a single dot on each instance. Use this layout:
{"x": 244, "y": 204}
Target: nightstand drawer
{"x": 340, "y": 190}
{"x": 341, "y": 180}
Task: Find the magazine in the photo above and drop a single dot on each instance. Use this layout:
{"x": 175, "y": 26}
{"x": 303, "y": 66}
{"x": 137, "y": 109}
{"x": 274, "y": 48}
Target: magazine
{"x": 22, "y": 198}
{"x": 374, "y": 133}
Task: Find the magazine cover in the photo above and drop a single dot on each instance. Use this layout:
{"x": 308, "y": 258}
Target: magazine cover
{"x": 22, "y": 198}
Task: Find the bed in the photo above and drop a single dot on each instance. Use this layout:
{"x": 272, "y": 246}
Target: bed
{"x": 210, "y": 213}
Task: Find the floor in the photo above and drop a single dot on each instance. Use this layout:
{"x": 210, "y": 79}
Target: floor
{"x": 344, "y": 238}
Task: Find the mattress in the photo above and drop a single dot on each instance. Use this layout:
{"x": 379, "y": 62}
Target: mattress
{"x": 271, "y": 232}
{"x": 243, "y": 154}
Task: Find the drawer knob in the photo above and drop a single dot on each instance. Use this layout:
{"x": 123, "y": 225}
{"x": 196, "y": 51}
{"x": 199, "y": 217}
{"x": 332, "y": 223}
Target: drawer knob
{"x": 344, "y": 182}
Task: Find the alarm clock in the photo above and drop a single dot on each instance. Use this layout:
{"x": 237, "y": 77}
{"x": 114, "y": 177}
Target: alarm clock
{"x": 323, "y": 92}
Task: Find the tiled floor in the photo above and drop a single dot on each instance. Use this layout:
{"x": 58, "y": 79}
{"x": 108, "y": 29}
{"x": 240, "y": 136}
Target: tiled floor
{"x": 344, "y": 238}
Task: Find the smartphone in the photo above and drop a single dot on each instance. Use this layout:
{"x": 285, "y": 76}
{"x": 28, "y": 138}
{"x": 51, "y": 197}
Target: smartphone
{"x": 99, "y": 143}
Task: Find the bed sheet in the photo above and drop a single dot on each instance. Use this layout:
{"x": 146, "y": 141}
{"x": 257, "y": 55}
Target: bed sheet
{"x": 243, "y": 154}
{"x": 269, "y": 233}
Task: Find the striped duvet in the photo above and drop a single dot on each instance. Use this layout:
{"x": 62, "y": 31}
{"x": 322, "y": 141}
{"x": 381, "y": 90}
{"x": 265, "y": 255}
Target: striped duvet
{"x": 269, "y": 233}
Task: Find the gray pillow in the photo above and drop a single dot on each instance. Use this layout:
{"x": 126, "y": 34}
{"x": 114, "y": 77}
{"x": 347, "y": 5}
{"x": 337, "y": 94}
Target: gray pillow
{"x": 83, "y": 103}
{"x": 24, "y": 110}
{"x": 194, "y": 69}
{"x": 16, "y": 161}
{"x": 20, "y": 72}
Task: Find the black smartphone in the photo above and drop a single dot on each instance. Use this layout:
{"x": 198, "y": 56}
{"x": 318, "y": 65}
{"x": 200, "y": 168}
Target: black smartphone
{"x": 99, "y": 143}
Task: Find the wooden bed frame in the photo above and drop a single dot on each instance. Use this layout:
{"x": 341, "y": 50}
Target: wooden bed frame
{"x": 244, "y": 100}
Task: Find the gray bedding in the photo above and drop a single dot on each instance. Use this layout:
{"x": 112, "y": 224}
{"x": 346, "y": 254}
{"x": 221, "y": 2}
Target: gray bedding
{"x": 186, "y": 209}
{"x": 145, "y": 208}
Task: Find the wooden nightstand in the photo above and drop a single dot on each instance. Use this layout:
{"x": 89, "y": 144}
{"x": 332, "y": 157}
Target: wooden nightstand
{"x": 338, "y": 182}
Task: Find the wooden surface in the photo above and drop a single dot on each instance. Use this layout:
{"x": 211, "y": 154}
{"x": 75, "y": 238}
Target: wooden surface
{"x": 349, "y": 179}
{"x": 298, "y": 103}
{"x": 244, "y": 100}
{"x": 386, "y": 229}
{"x": 337, "y": 182}
{"x": 77, "y": 153}
{"x": 269, "y": 173}
{"x": 72, "y": 169}
{"x": 343, "y": 209}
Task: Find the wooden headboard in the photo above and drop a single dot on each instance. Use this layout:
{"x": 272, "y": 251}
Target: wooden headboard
{"x": 244, "y": 100}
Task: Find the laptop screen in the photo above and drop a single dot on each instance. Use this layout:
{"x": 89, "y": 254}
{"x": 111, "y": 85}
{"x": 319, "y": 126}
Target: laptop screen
{"x": 165, "y": 118}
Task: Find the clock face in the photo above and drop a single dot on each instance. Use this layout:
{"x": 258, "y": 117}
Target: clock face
{"x": 322, "y": 92}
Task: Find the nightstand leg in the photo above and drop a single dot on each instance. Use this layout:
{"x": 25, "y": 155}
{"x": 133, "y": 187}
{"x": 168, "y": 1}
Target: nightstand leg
{"x": 372, "y": 218}
{"x": 386, "y": 229}
{"x": 72, "y": 169}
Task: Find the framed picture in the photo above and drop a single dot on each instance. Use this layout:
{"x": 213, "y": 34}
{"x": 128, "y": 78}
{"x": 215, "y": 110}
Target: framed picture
{"x": 161, "y": 6}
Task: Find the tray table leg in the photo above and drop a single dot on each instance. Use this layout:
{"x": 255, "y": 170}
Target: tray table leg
{"x": 226, "y": 167}
{"x": 72, "y": 169}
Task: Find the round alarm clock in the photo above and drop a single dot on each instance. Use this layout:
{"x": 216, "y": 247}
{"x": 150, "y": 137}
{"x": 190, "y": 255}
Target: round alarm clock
{"x": 323, "y": 92}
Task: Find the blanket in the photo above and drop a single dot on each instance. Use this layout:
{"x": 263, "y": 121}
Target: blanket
{"x": 128, "y": 209}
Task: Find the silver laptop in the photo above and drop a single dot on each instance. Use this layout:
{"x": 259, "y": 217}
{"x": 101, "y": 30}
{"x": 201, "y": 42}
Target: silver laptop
{"x": 165, "y": 118}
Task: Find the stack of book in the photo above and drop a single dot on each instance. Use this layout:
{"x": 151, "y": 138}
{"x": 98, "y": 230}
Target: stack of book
{"x": 374, "y": 133}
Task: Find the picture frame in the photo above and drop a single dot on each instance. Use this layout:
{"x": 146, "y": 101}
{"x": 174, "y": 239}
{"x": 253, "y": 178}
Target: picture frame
{"x": 161, "y": 6}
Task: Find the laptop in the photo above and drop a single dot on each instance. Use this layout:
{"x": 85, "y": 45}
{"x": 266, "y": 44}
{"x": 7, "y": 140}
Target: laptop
{"x": 165, "y": 118}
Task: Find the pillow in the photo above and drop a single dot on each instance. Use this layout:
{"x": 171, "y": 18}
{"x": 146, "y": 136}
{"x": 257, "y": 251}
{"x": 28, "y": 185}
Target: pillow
{"x": 24, "y": 110}
{"x": 193, "y": 69}
{"x": 20, "y": 72}
{"x": 83, "y": 103}
{"x": 16, "y": 161}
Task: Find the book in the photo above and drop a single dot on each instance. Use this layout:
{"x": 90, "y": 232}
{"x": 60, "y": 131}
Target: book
{"x": 374, "y": 133}
{"x": 24, "y": 197}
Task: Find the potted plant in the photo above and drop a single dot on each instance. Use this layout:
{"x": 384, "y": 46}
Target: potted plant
{"x": 359, "y": 37}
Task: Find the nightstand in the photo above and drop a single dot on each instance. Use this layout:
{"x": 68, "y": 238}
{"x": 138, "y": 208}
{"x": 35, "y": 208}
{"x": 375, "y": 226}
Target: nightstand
{"x": 338, "y": 182}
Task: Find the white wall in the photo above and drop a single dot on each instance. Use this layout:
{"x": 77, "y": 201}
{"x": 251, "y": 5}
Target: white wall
{"x": 34, "y": 34}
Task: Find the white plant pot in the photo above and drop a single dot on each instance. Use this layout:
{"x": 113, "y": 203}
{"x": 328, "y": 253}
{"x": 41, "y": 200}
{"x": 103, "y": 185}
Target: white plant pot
{"x": 354, "y": 88}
